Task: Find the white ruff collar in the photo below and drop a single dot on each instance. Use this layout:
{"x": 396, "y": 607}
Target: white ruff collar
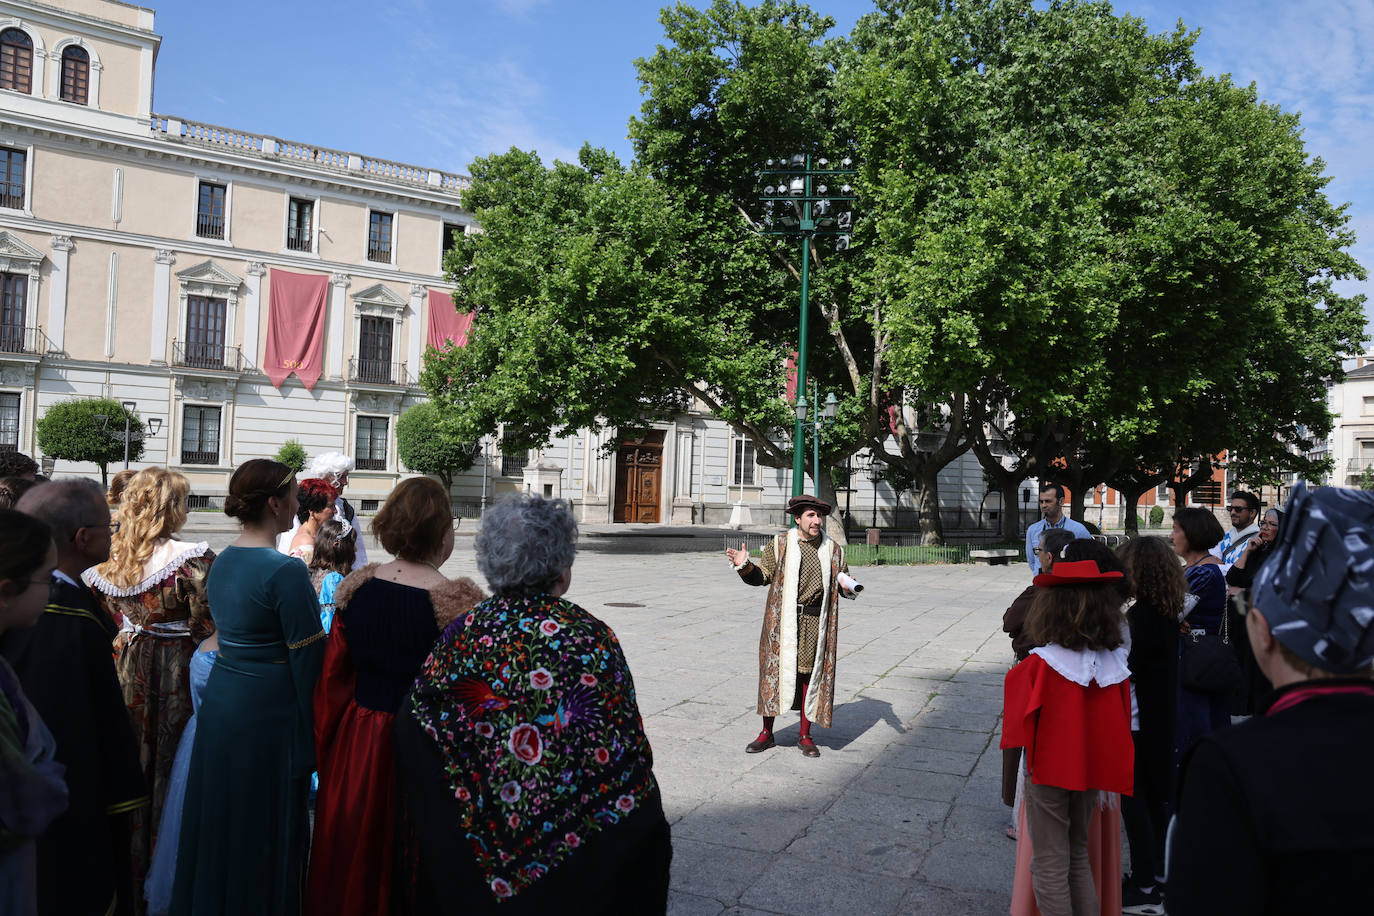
{"x": 1083, "y": 666}
{"x": 166, "y": 559}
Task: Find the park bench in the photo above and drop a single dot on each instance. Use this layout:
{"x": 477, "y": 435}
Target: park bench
{"x": 995, "y": 556}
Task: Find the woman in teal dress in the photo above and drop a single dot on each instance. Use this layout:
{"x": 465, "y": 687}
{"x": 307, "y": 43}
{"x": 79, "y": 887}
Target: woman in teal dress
{"x": 244, "y": 834}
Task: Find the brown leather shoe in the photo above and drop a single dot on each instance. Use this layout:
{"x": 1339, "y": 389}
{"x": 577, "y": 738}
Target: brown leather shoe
{"x": 762, "y": 743}
{"x": 808, "y": 747}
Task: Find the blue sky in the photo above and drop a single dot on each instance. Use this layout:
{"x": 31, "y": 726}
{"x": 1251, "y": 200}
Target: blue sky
{"x": 440, "y": 82}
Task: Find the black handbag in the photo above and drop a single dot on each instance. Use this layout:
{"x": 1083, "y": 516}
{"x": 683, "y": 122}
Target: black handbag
{"x": 1208, "y": 664}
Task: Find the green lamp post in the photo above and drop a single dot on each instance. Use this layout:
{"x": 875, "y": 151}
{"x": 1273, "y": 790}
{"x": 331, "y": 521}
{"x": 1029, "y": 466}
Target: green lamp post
{"x": 799, "y": 203}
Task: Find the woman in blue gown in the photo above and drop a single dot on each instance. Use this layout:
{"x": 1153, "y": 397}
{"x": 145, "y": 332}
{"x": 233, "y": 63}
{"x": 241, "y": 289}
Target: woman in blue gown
{"x": 244, "y": 829}
{"x": 1196, "y": 531}
{"x": 157, "y": 890}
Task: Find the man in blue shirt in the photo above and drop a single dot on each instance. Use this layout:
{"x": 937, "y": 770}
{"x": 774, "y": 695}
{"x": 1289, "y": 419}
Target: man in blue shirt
{"x": 1052, "y": 507}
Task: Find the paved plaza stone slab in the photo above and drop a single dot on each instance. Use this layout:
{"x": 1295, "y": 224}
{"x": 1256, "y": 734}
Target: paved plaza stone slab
{"x": 901, "y": 814}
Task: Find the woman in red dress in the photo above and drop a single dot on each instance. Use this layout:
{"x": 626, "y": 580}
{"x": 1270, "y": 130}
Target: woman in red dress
{"x": 387, "y": 619}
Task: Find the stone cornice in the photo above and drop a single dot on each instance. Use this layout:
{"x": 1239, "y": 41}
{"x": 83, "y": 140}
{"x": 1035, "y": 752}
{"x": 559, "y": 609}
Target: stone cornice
{"x": 148, "y": 148}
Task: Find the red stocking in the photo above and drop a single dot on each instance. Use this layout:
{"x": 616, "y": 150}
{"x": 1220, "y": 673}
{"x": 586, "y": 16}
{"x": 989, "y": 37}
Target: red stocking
{"x": 805, "y": 722}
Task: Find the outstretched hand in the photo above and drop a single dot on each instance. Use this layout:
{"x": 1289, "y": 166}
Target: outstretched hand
{"x": 737, "y": 557}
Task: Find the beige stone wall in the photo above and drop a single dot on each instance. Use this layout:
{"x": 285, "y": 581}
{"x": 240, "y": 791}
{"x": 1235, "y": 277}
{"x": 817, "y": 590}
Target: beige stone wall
{"x": 343, "y": 235}
{"x": 122, "y": 13}
{"x": 419, "y": 244}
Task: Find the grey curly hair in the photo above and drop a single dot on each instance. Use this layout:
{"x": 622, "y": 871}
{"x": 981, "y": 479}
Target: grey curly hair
{"x": 525, "y": 544}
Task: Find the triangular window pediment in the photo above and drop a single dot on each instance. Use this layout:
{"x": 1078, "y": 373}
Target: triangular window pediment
{"x": 379, "y": 299}
{"x": 208, "y": 273}
{"x": 16, "y": 249}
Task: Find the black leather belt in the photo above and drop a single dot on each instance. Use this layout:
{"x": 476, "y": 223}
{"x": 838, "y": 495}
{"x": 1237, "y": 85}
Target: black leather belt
{"x": 811, "y": 610}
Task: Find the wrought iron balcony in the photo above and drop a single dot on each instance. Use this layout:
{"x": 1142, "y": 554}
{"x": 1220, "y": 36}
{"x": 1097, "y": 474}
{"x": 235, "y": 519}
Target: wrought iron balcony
{"x": 369, "y": 464}
{"x": 192, "y": 457}
{"x": 28, "y": 341}
{"x": 209, "y": 227}
{"x": 377, "y": 372}
{"x": 206, "y": 356}
{"x": 298, "y": 239}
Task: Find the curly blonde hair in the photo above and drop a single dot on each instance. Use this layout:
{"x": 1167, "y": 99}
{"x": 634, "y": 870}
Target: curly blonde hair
{"x": 1156, "y": 578}
{"x": 151, "y": 509}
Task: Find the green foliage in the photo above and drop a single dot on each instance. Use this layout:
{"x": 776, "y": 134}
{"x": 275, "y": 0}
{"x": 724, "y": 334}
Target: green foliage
{"x": 1366, "y": 481}
{"x": 426, "y": 443}
{"x": 70, "y": 431}
{"x": 292, "y": 454}
{"x": 596, "y": 306}
{"x": 1063, "y": 230}
{"x": 1156, "y": 516}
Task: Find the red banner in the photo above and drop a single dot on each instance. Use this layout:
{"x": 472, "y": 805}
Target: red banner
{"x": 446, "y": 325}
{"x": 295, "y": 327}
{"x": 791, "y": 364}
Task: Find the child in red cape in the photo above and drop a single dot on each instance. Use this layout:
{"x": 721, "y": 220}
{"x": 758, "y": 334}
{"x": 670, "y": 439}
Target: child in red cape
{"x": 1069, "y": 706}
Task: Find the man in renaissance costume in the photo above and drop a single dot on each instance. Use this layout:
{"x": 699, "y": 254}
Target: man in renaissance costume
{"x": 802, "y": 568}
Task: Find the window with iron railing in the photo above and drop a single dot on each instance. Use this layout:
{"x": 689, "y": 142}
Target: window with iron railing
{"x": 300, "y": 218}
{"x": 9, "y": 422}
{"x": 379, "y": 237}
{"x": 76, "y": 75}
{"x": 374, "y": 349}
{"x": 14, "y": 295}
{"x": 513, "y": 464}
{"x": 12, "y": 168}
{"x": 210, "y": 210}
{"x": 16, "y": 61}
{"x": 205, "y": 332}
{"x": 371, "y": 442}
{"x": 200, "y": 435}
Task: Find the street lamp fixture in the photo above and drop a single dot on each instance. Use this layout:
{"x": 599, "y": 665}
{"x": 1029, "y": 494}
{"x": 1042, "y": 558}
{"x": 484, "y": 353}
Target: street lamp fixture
{"x": 127, "y": 436}
{"x": 798, "y": 204}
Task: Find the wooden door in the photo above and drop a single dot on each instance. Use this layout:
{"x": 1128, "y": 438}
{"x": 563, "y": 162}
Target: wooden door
{"x": 638, "y": 477}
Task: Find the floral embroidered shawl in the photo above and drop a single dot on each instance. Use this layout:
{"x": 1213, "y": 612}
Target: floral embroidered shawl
{"x": 532, "y": 707}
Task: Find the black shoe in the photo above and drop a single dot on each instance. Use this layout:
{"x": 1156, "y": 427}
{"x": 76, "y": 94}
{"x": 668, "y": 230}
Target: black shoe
{"x": 1136, "y": 902}
{"x": 808, "y": 747}
{"x": 762, "y": 743}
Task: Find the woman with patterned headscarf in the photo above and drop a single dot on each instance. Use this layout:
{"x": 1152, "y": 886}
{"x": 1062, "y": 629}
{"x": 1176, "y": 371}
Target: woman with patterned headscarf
{"x": 527, "y": 780}
{"x": 155, "y": 585}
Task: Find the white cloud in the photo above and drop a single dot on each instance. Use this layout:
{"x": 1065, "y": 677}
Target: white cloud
{"x": 486, "y": 110}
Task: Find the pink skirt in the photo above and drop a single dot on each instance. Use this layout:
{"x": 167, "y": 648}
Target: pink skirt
{"x": 1104, "y": 851}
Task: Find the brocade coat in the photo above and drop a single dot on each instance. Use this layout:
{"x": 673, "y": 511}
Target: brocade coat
{"x": 778, "y": 640}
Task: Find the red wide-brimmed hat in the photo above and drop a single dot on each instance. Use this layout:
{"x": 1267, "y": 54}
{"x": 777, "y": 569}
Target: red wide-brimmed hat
{"x": 1074, "y": 572}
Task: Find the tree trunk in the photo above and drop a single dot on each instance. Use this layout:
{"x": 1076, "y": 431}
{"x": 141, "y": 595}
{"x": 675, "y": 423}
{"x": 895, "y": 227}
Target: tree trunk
{"x": 104, "y": 476}
{"x": 1013, "y": 525}
{"x": 928, "y": 505}
{"x": 1076, "y": 502}
{"x": 834, "y": 525}
{"x": 1132, "y": 519}
{"x": 1181, "y": 488}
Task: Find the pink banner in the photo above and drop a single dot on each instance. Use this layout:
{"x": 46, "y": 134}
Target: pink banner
{"x": 446, "y": 325}
{"x": 295, "y": 327}
{"x": 791, "y": 364}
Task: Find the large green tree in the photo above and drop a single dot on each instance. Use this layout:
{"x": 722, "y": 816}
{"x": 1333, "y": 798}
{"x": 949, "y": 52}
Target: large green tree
{"x": 90, "y": 430}
{"x": 1089, "y": 237}
{"x": 1073, "y": 253}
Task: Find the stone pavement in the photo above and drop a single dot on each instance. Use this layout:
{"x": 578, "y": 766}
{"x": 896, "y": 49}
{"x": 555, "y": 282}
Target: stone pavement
{"x": 900, "y": 814}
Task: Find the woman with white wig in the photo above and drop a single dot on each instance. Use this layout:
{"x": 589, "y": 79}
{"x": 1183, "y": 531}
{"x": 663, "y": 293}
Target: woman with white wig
{"x": 526, "y": 779}
{"x": 333, "y": 467}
